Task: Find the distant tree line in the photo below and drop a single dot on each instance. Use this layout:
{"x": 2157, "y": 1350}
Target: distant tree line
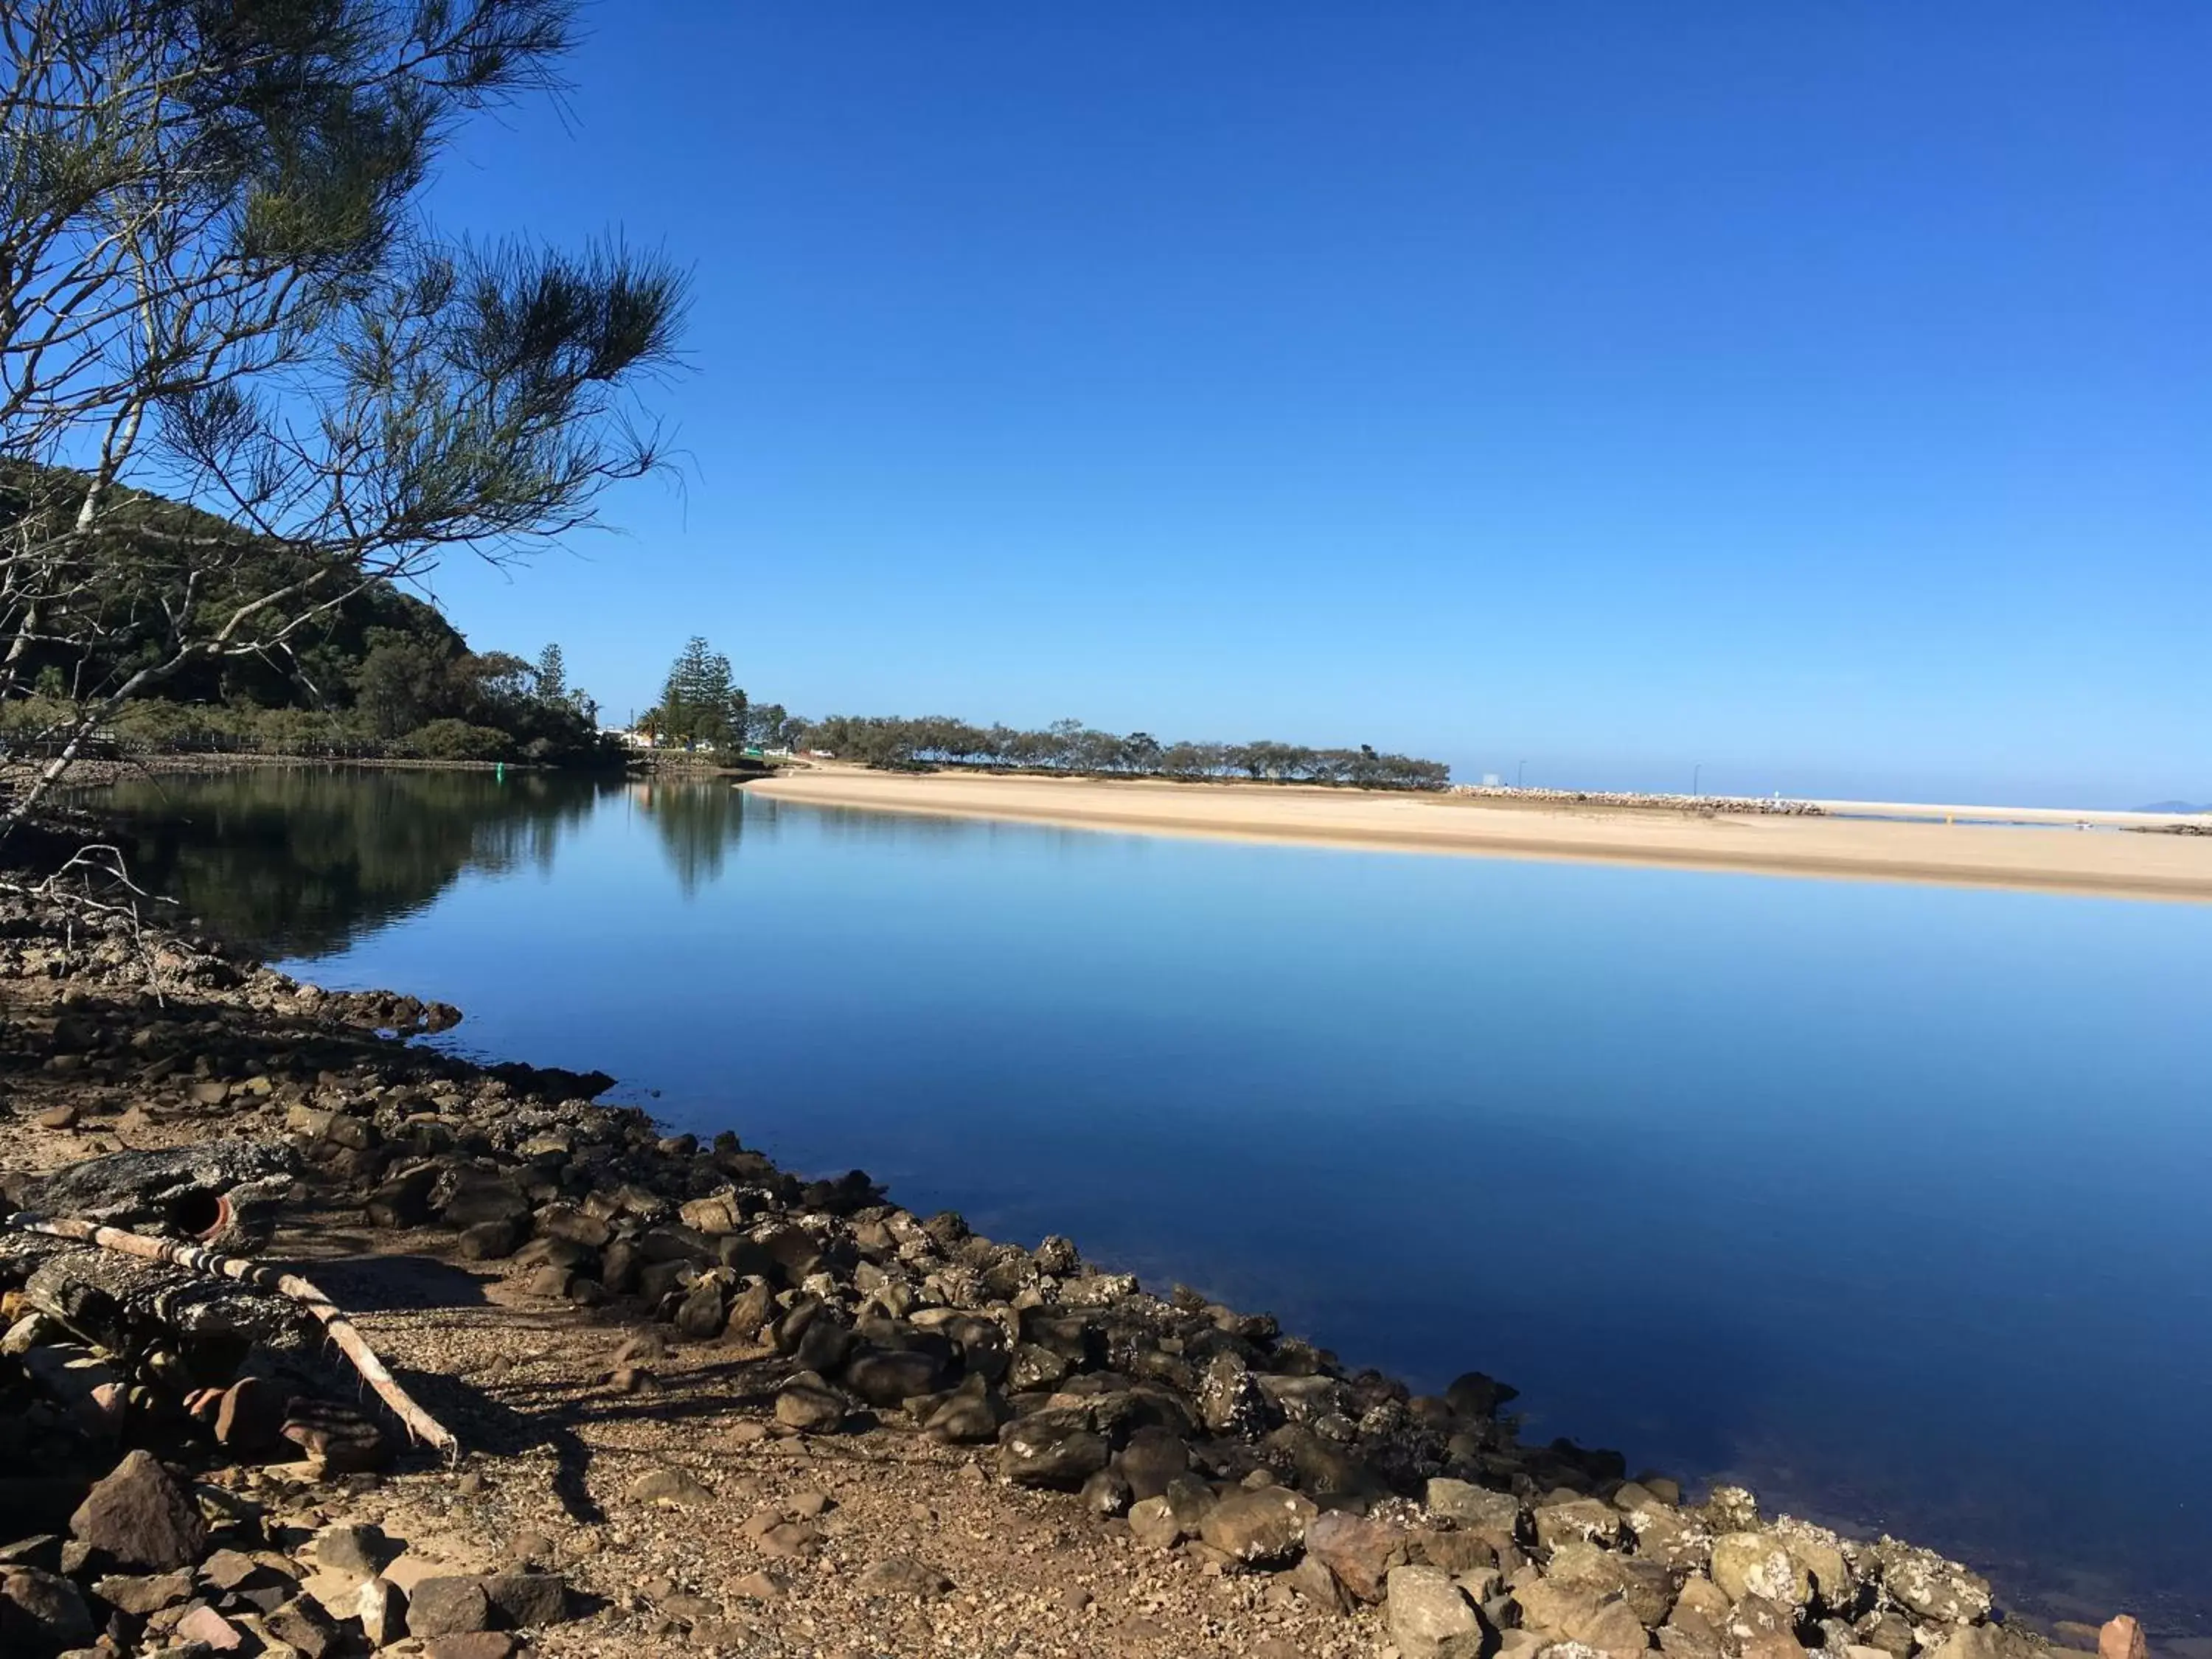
{"x": 1069, "y": 746}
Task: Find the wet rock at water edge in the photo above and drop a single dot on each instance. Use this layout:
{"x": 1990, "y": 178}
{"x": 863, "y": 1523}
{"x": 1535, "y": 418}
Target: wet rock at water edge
{"x": 2122, "y": 1638}
{"x": 1474, "y": 1394}
{"x": 1931, "y": 1586}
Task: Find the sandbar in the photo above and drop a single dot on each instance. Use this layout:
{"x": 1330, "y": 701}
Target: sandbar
{"x": 1906, "y": 845}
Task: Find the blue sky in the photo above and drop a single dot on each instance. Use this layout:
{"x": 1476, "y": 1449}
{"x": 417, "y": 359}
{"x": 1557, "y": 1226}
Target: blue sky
{"x": 1818, "y": 393}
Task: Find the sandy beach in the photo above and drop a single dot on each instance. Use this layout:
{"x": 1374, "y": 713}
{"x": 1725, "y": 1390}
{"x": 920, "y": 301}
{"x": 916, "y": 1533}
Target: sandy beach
{"x": 2028, "y": 850}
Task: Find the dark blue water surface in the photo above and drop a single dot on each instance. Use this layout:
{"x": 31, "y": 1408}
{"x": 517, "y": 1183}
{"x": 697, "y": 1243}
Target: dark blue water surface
{"x": 1889, "y": 1201}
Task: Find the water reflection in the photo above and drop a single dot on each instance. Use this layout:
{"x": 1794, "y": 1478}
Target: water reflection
{"x": 699, "y": 824}
{"x": 304, "y": 860}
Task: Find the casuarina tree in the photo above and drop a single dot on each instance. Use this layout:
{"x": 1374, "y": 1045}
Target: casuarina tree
{"x": 241, "y": 376}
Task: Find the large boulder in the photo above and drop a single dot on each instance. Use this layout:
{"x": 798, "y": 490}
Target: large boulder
{"x": 1153, "y": 1457}
{"x": 1230, "y": 1400}
{"x": 1568, "y": 1614}
{"x": 448, "y": 1607}
{"x": 808, "y": 1404}
{"x": 1360, "y": 1552}
{"x": 702, "y": 1314}
{"x": 142, "y": 1517}
{"x": 1645, "y": 1586}
{"x": 1760, "y": 1564}
{"x": 887, "y": 1378}
{"x": 1154, "y": 1522}
{"x": 1821, "y": 1554}
{"x": 1931, "y": 1586}
{"x": 1055, "y": 1447}
{"x": 1577, "y": 1520}
{"x": 1266, "y": 1525}
{"x": 1668, "y": 1536}
{"x": 1497, "y": 1515}
{"x": 1430, "y": 1616}
{"x": 523, "y": 1601}
{"x": 969, "y": 1415}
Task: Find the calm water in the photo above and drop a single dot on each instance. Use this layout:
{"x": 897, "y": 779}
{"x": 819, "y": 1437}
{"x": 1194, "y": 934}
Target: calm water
{"x": 1889, "y": 1201}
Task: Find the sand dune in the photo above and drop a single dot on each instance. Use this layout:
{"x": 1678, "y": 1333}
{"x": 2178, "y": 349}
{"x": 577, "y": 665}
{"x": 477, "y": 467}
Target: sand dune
{"x": 2034, "y": 854}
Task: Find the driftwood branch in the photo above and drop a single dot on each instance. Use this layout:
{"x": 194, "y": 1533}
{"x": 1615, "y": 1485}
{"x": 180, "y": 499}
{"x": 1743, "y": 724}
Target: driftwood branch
{"x": 196, "y": 1258}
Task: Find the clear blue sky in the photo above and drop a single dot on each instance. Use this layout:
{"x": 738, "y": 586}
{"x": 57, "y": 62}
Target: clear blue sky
{"x": 1819, "y": 393}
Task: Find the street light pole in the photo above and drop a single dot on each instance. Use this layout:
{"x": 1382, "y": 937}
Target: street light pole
{"x": 1695, "y": 772}
{"x": 1520, "y": 771}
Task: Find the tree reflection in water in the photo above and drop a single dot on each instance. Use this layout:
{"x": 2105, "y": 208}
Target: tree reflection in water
{"x": 296, "y": 860}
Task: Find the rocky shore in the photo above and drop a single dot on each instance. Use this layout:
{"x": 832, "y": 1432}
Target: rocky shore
{"x": 705, "y": 1405}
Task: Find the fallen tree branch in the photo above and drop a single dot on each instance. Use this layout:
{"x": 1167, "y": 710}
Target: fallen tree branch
{"x": 196, "y": 1258}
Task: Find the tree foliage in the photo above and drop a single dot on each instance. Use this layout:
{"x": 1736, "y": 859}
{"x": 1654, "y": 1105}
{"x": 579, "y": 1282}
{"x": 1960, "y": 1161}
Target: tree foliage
{"x": 1069, "y": 745}
{"x": 217, "y": 285}
{"x": 552, "y": 673}
{"x": 701, "y": 705}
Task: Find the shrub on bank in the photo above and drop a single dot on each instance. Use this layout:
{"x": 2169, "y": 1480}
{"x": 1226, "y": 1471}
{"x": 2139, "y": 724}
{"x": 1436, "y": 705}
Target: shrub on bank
{"x": 36, "y": 724}
{"x": 456, "y": 741}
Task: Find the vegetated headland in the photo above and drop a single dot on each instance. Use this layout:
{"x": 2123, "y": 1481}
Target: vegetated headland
{"x": 1750, "y": 835}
